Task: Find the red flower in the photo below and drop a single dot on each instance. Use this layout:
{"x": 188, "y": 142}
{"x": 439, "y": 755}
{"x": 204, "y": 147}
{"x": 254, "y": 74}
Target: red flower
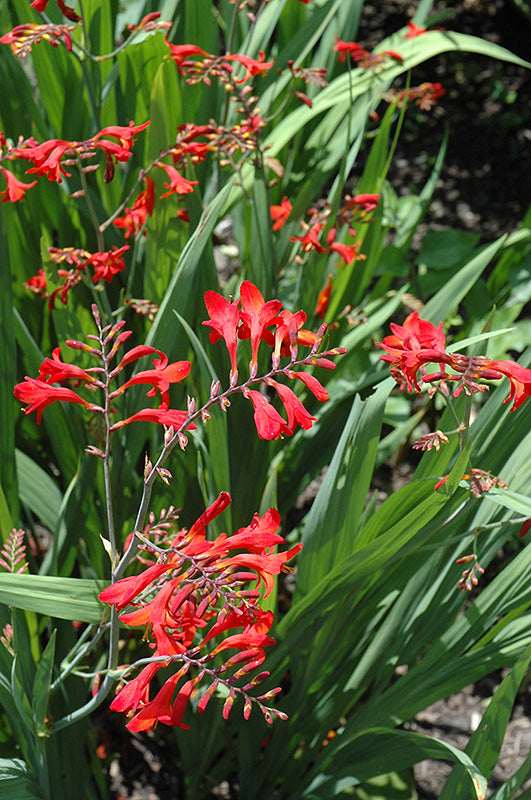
{"x": 178, "y": 183}
{"x": 69, "y": 13}
{"x": 519, "y": 377}
{"x": 311, "y": 383}
{"x": 362, "y": 57}
{"x": 268, "y": 421}
{"x": 54, "y": 370}
{"x": 38, "y": 394}
{"x": 414, "y": 30}
{"x": 365, "y": 202}
{"x": 289, "y": 333}
{"x": 15, "y": 189}
{"x": 47, "y": 158}
{"x": 280, "y": 214}
{"x": 224, "y": 319}
{"x": 348, "y": 252}
{"x": 252, "y": 66}
{"x": 256, "y": 315}
{"x": 414, "y": 334}
{"x": 297, "y": 414}
{"x": 37, "y": 283}
{"x": 125, "y": 134}
{"x": 181, "y": 52}
{"x": 106, "y": 265}
{"x": 160, "y": 378}
{"x": 135, "y": 218}
{"x": 324, "y": 299}
{"x": 310, "y": 240}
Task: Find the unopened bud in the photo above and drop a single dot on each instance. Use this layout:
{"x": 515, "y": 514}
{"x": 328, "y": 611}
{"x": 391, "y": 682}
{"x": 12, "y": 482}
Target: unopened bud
{"x": 233, "y": 378}
{"x": 75, "y": 345}
{"x": 191, "y": 405}
{"x": 224, "y": 403}
{"x": 183, "y": 440}
{"x": 148, "y": 467}
{"x": 164, "y": 474}
{"x": 94, "y": 451}
{"x": 215, "y": 388}
{"x": 253, "y": 370}
{"x": 205, "y": 416}
{"x": 96, "y": 314}
{"x": 466, "y": 559}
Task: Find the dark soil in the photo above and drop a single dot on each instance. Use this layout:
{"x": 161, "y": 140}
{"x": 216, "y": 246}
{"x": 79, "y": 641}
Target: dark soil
{"x": 486, "y": 179}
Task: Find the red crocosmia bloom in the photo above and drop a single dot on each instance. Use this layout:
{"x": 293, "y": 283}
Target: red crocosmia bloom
{"x": 171, "y": 418}
{"x": 178, "y": 183}
{"x": 256, "y": 316}
{"x": 311, "y": 383}
{"x": 519, "y": 377}
{"x": 310, "y": 240}
{"x": 198, "y": 529}
{"x": 106, "y": 265}
{"x": 137, "y": 691}
{"x": 37, "y": 283}
{"x": 160, "y": 708}
{"x": 160, "y": 378}
{"x": 224, "y": 319}
{"x": 348, "y": 252}
{"x": 366, "y": 202}
{"x": 135, "y": 353}
{"x": 324, "y": 298}
{"x": 135, "y": 218}
{"x": 54, "y": 370}
{"x": 415, "y": 333}
{"x": 47, "y": 158}
{"x": 268, "y": 421}
{"x": 289, "y": 332}
{"x": 38, "y": 394}
{"x": 252, "y": 66}
{"x": 280, "y": 214}
{"x": 364, "y": 58}
{"x": 414, "y": 30}
{"x": 266, "y": 565}
{"x": 15, "y": 189}
{"x": 121, "y": 593}
{"x": 125, "y": 134}
{"x": 69, "y": 13}
{"x": 297, "y": 414}
{"x": 181, "y": 52}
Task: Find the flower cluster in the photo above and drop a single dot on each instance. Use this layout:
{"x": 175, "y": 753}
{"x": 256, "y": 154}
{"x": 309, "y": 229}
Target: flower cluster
{"x": 105, "y": 265}
{"x": 364, "y": 58}
{"x": 417, "y": 343}
{"x": 185, "y": 57}
{"x": 23, "y": 37}
{"x": 355, "y": 209}
{"x": 51, "y": 157}
{"x": 257, "y": 320}
{"x": 195, "y": 591}
{"x": 425, "y": 96}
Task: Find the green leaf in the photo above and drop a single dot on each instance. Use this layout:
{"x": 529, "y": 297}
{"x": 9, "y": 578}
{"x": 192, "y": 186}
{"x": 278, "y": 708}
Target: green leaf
{"x": 16, "y": 781}
{"x": 447, "y": 299}
{"x": 512, "y": 500}
{"x": 342, "y": 494}
{"x": 352, "y": 760}
{"x": 38, "y": 491}
{"x": 41, "y": 685}
{"x": 63, "y": 598}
